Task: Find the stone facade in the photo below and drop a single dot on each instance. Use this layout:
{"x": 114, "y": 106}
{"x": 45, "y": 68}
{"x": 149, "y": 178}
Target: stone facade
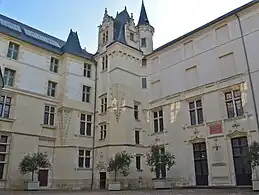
{"x": 192, "y": 92}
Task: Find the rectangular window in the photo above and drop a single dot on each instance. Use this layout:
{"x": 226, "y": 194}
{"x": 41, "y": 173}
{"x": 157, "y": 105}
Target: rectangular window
{"x": 143, "y": 42}
{"x": 84, "y": 158}
{"x": 144, "y": 62}
{"x": 144, "y": 83}
{"x": 5, "y": 106}
{"x": 132, "y": 36}
{"x": 87, "y": 70}
{"x": 51, "y": 88}
{"x": 136, "y": 111}
{"x": 86, "y": 94}
{"x": 49, "y": 115}
{"x": 234, "y": 103}
{"x": 106, "y": 36}
{"x": 103, "y": 131}
{"x": 137, "y": 140}
{"x": 105, "y": 62}
{"x": 3, "y": 153}
{"x": 54, "y": 65}
{"x": 138, "y": 162}
{"x": 196, "y": 113}
{"x": 158, "y": 121}
{"x": 103, "y": 104}
{"x": 86, "y": 125}
{"x": 9, "y": 77}
{"x": 13, "y": 50}
{"x": 103, "y": 38}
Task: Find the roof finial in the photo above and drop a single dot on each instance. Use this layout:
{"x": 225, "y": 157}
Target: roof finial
{"x": 131, "y": 15}
{"x": 143, "y": 19}
{"x": 125, "y": 7}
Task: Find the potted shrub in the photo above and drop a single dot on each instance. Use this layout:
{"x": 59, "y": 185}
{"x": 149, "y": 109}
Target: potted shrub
{"x": 31, "y": 163}
{"x": 253, "y": 158}
{"x": 120, "y": 163}
{"x": 159, "y": 161}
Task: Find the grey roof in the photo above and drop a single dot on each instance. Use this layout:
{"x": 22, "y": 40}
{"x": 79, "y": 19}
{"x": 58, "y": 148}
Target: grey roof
{"x": 233, "y": 12}
{"x": 119, "y": 26}
{"x": 40, "y": 39}
{"x": 143, "y": 19}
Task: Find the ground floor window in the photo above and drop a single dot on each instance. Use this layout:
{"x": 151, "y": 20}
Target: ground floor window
{"x": 3, "y": 153}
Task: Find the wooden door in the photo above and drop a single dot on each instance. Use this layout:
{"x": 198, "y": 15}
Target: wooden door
{"x": 43, "y": 177}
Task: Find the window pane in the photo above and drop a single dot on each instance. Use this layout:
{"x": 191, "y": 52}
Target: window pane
{"x": 81, "y": 162}
{"x": 87, "y": 153}
{"x": 51, "y": 122}
{"x": 81, "y": 152}
{"x": 228, "y": 96}
{"x": 52, "y": 109}
{"x": 237, "y": 93}
{"x": 161, "y": 124}
{"x": 2, "y": 157}
{"x": 2, "y": 148}
{"x": 4, "y": 139}
{"x": 191, "y": 105}
{"x": 193, "y": 117}
{"x": 47, "y": 108}
{"x": 156, "y": 125}
{"x": 87, "y": 162}
{"x": 160, "y": 113}
{"x": 1, "y": 170}
{"x": 200, "y": 116}
{"x": 155, "y": 114}
{"x": 230, "y": 109}
{"x": 239, "y": 108}
{"x": 46, "y": 118}
{"x": 6, "y": 111}
{"x": 88, "y": 129}
{"x": 198, "y": 103}
{"x": 82, "y": 128}
{"x": 137, "y": 137}
{"x": 82, "y": 117}
{"x": 138, "y": 162}
{"x": 89, "y": 118}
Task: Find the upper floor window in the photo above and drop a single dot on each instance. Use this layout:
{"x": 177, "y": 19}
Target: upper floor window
{"x": 158, "y": 121}
{"x": 196, "y": 114}
{"x": 143, "y": 42}
{"x": 105, "y": 62}
{"x": 105, "y": 37}
{"x": 51, "y": 88}
{"x": 9, "y": 77}
{"x": 136, "y": 111}
{"x": 103, "y": 103}
{"x": 87, "y": 70}
{"x": 84, "y": 158}
{"x": 138, "y": 162}
{"x": 13, "y": 50}
{"x": 144, "y": 83}
{"x": 144, "y": 62}
{"x": 85, "y": 124}
{"x": 132, "y": 36}
{"x": 49, "y": 115}
{"x": 103, "y": 131}
{"x": 86, "y": 94}
{"x": 54, "y": 65}
{"x": 234, "y": 103}
{"x": 137, "y": 139}
{"x": 5, "y": 106}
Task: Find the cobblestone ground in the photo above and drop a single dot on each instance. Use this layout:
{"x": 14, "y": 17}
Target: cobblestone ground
{"x": 148, "y": 192}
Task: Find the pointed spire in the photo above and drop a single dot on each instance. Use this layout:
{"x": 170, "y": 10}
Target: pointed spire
{"x": 143, "y": 19}
{"x": 72, "y": 44}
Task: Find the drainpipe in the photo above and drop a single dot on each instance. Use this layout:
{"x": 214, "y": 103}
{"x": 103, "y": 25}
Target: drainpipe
{"x": 249, "y": 72}
{"x": 94, "y": 121}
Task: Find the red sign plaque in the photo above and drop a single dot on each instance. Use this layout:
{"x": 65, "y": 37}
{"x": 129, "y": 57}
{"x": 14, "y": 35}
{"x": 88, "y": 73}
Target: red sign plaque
{"x": 215, "y": 128}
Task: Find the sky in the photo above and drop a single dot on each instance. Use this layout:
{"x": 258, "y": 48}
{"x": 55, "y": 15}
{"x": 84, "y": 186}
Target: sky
{"x": 170, "y": 18}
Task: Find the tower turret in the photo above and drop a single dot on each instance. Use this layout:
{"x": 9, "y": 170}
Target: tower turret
{"x": 146, "y": 31}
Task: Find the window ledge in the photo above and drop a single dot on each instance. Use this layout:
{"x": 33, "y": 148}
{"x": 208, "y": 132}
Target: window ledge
{"x": 9, "y": 120}
{"x": 234, "y": 118}
{"x": 48, "y": 126}
{"x": 83, "y": 169}
{"x": 157, "y": 133}
{"x": 137, "y": 120}
{"x": 105, "y": 70}
{"x": 102, "y": 139}
{"x": 139, "y": 170}
{"x": 194, "y": 126}
{"x": 83, "y": 136}
{"x": 103, "y": 113}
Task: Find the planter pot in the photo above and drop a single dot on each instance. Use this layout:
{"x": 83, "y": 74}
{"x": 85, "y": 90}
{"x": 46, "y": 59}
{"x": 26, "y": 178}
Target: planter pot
{"x": 162, "y": 184}
{"x": 33, "y": 185}
{"x": 114, "y": 186}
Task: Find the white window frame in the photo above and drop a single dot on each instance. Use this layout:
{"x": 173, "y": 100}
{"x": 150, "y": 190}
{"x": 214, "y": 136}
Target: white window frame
{"x": 233, "y": 99}
{"x": 103, "y": 104}
{"x": 12, "y": 49}
{"x": 5, "y": 153}
{"x": 50, "y": 113}
{"x": 195, "y": 109}
{"x": 84, "y": 156}
{"x": 86, "y": 93}
{"x": 103, "y": 131}
{"x": 4, "y": 104}
{"x": 53, "y": 64}
{"x": 9, "y": 77}
{"x": 158, "y": 120}
{"x": 52, "y": 86}
{"x": 86, "y": 122}
{"x": 87, "y": 70}
{"x": 142, "y": 86}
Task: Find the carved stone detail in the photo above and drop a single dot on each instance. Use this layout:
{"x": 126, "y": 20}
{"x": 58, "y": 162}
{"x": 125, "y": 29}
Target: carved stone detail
{"x": 118, "y": 101}
{"x": 64, "y": 117}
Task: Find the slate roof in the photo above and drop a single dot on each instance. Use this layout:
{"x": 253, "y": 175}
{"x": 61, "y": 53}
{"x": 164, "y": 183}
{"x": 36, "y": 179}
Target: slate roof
{"x": 143, "y": 19}
{"x": 231, "y": 13}
{"x": 40, "y": 39}
{"x": 119, "y": 26}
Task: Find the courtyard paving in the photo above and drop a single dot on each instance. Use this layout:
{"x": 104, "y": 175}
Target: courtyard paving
{"x": 148, "y": 192}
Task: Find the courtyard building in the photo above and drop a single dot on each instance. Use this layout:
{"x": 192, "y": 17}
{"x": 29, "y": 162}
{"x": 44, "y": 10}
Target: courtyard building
{"x": 197, "y": 96}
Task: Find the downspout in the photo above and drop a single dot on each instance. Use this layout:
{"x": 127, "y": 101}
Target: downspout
{"x": 249, "y": 72}
{"x": 94, "y": 121}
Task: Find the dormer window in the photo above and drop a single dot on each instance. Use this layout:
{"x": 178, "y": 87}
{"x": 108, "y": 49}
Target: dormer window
{"x": 143, "y": 42}
{"x": 132, "y": 36}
